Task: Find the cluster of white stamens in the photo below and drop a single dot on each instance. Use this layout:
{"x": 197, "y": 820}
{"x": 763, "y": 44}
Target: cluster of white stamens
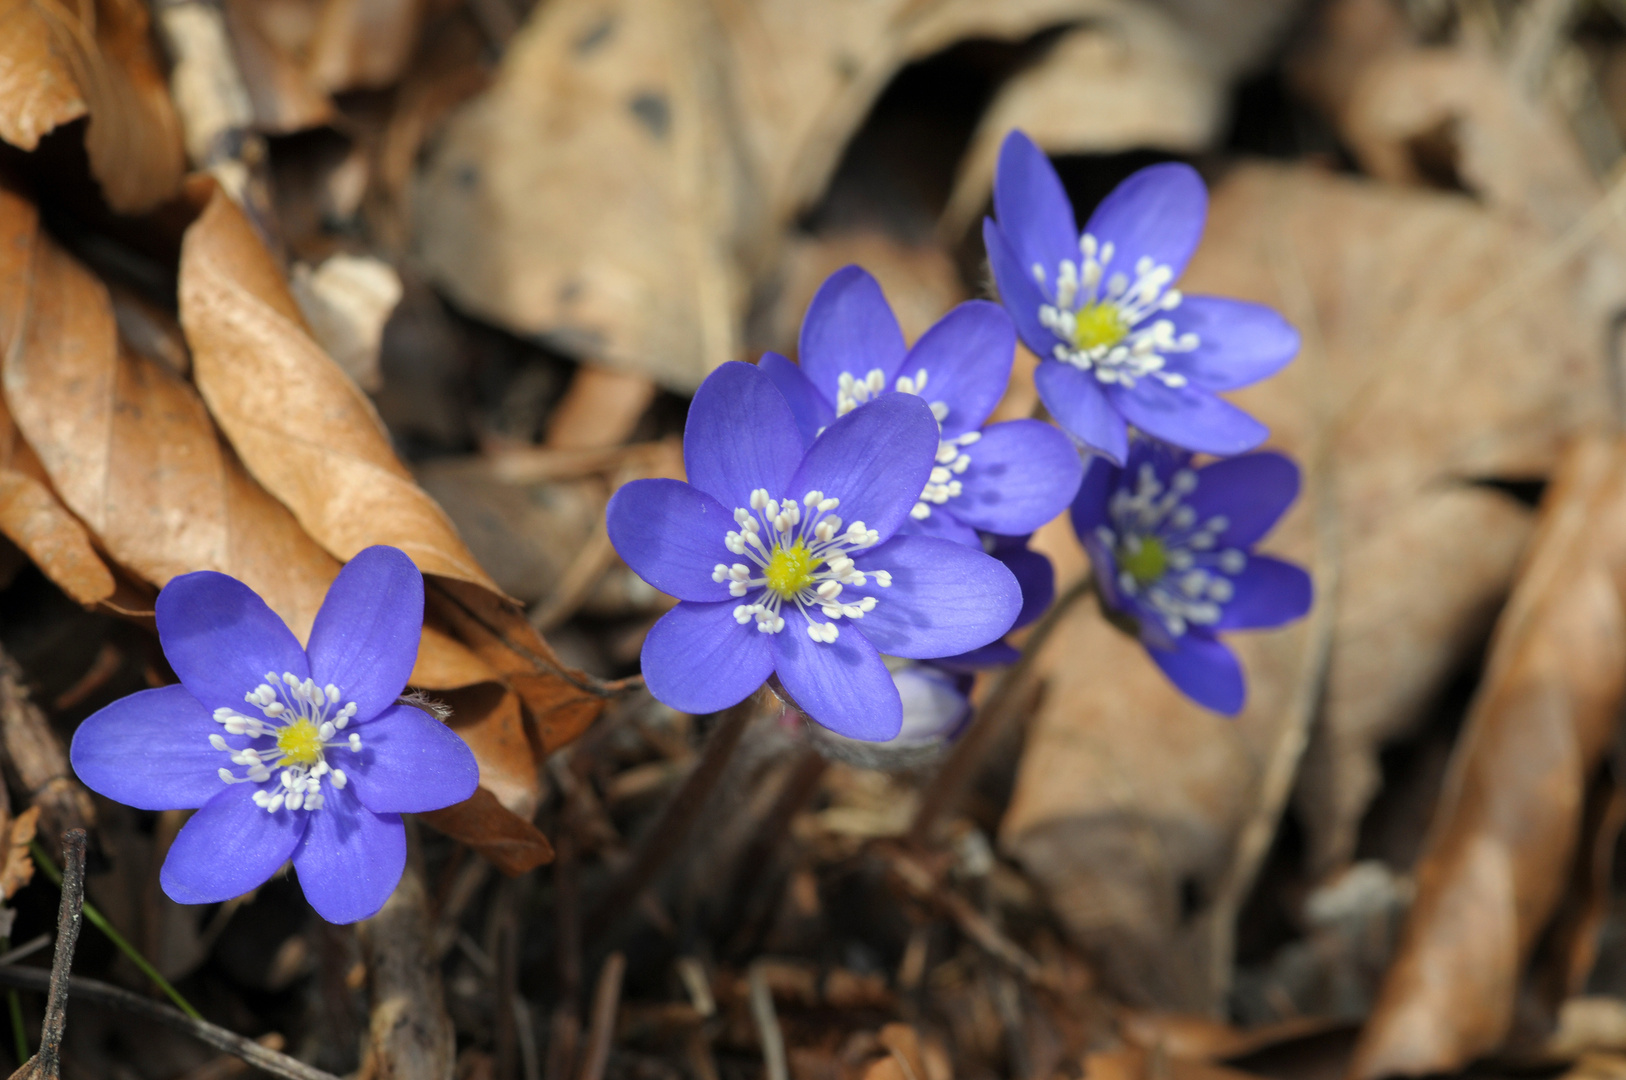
{"x": 797, "y": 556}
{"x": 952, "y": 461}
{"x": 1102, "y": 318}
{"x": 1165, "y": 556}
{"x": 295, "y": 714}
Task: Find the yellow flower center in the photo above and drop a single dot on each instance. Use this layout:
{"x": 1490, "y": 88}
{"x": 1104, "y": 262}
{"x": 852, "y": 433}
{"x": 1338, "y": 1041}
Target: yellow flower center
{"x": 790, "y": 569}
{"x": 1099, "y": 323}
{"x": 1145, "y": 562}
{"x": 300, "y": 743}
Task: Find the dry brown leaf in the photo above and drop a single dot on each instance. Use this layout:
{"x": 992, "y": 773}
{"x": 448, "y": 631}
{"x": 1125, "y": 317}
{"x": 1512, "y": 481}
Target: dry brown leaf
{"x": 601, "y": 408}
{"x": 623, "y": 186}
{"x": 1416, "y": 374}
{"x": 17, "y": 868}
{"x": 1133, "y": 80}
{"x": 303, "y": 428}
{"x": 513, "y": 844}
{"x": 1506, "y": 828}
{"x": 128, "y": 444}
{"x": 34, "y": 519}
{"x": 55, "y": 68}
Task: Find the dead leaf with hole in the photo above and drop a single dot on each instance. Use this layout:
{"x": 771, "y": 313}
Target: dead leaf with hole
{"x": 1420, "y": 314}
{"x": 622, "y": 189}
{"x": 56, "y": 66}
{"x": 1507, "y": 826}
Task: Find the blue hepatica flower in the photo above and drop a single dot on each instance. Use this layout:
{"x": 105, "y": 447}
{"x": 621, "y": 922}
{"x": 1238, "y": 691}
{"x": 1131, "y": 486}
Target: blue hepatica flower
{"x": 1117, "y": 343}
{"x": 788, "y": 561}
{"x": 285, "y": 752}
{"x": 1037, "y": 579}
{"x": 1009, "y": 477}
{"x": 1172, "y": 550}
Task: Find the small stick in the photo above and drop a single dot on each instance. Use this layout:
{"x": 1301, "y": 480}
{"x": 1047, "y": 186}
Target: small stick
{"x": 767, "y": 1021}
{"x": 100, "y": 993}
{"x": 601, "y": 1030}
{"x": 47, "y": 1063}
{"x": 676, "y": 820}
{"x": 798, "y": 789}
{"x": 996, "y": 712}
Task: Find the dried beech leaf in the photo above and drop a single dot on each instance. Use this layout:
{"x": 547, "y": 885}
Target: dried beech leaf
{"x": 513, "y": 844}
{"x": 129, "y": 445}
{"x": 17, "y": 869}
{"x": 284, "y": 96}
{"x": 303, "y": 428}
{"x": 1506, "y": 828}
{"x": 495, "y": 729}
{"x": 34, "y": 519}
{"x": 622, "y": 187}
{"x": 54, "y": 69}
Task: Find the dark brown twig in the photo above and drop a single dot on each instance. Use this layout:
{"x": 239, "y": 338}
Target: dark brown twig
{"x": 798, "y": 789}
{"x": 676, "y": 820}
{"x": 100, "y": 993}
{"x": 47, "y": 1063}
{"x": 995, "y": 715}
{"x": 601, "y": 1029}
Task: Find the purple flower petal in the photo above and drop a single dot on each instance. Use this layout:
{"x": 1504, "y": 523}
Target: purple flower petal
{"x": 1019, "y": 294}
{"x": 1189, "y": 417}
{"x": 813, "y": 413}
{"x": 876, "y": 460}
{"x": 1205, "y": 671}
{"x": 849, "y": 327}
{"x": 671, "y": 534}
{"x": 1238, "y": 343}
{"x": 697, "y": 659}
{"x": 1157, "y": 213}
{"x": 1251, "y": 492}
{"x": 1094, "y": 493}
{"x": 1075, "y": 398}
{"x": 365, "y": 638}
{"x": 151, "y": 751}
{"x": 409, "y": 763}
{"x": 229, "y": 847}
{"x": 942, "y": 524}
{"x": 740, "y": 435}
{"x": 1035, "y": 576}
{"x": 222, "y": 639}
{"x": 1022, "y": 474}
{"x": 842, "y": 684}
{"x": 934, "y": 709}
{"x": 350, "y": 858}
{"x": 967, "y": 357}
{"x": 1033, "y": 208}
{"x": 944, "y": 599}
{"x": 1269, "y": 592}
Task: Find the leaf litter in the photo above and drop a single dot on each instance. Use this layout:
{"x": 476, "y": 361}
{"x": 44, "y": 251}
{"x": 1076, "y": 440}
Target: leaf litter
{"x": 1398, "y": 860}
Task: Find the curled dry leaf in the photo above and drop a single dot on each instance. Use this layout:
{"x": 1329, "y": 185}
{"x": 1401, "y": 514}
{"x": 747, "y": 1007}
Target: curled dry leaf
{"x": 128, "y": 444}
{"x": 34, "y": 519}
{"x": 1506, "y": 829}
{"x": 513, "y": 844}
{"x": 303, "y": 428}
{"x": 57, "y": 64}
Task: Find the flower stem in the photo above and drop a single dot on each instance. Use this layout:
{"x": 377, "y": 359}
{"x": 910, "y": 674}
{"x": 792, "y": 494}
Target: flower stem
{"x": 997, "y": 710}
{"x": 43, "y": 861}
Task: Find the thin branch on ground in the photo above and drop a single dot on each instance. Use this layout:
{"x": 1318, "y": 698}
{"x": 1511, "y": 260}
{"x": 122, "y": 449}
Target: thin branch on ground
{"x": 46, "y": 1064}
